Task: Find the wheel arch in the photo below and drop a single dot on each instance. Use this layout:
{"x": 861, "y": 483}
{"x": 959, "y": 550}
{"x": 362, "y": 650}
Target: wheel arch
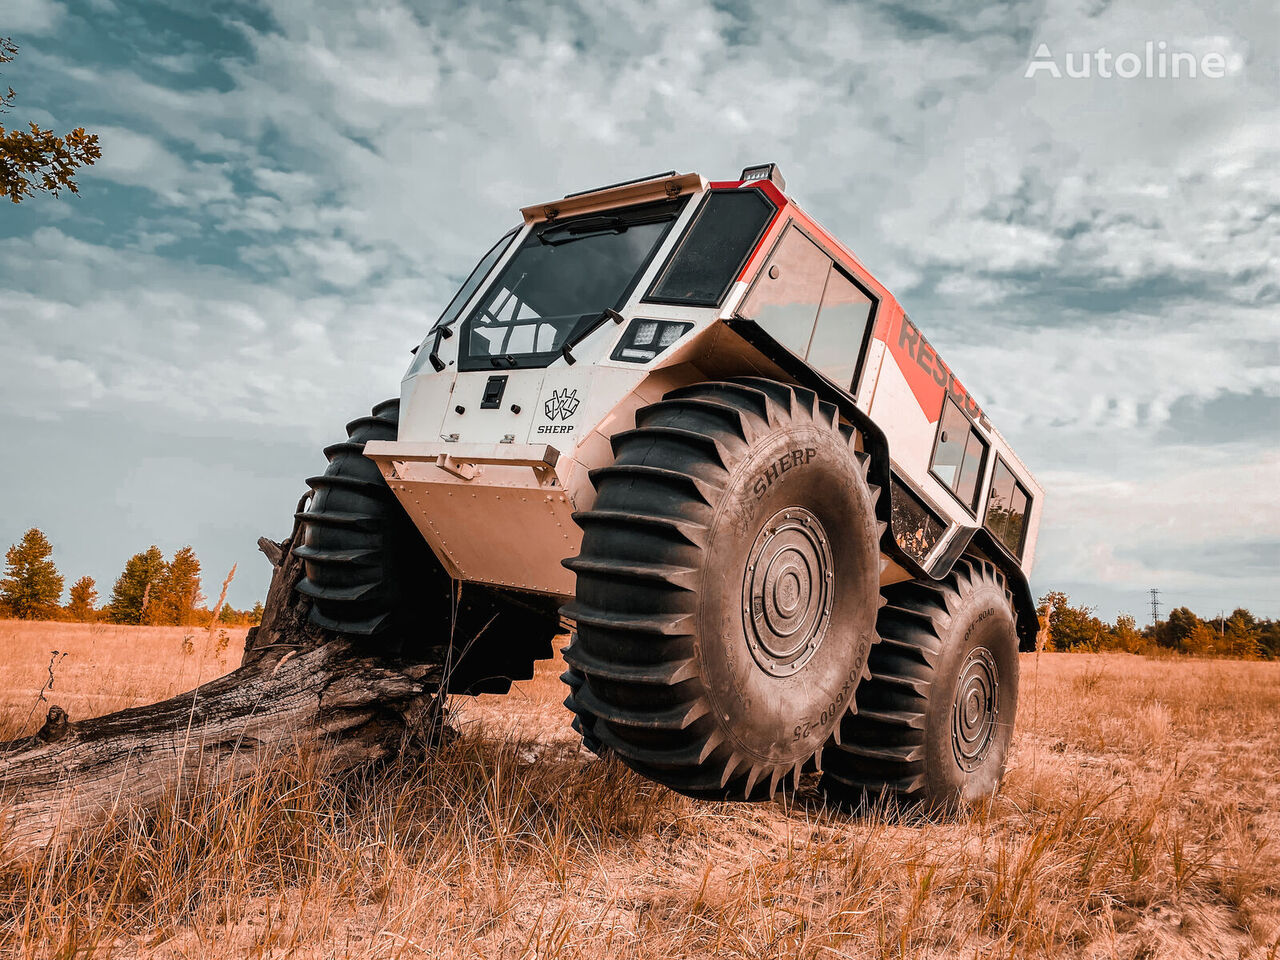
{"x": 971, "y": 542}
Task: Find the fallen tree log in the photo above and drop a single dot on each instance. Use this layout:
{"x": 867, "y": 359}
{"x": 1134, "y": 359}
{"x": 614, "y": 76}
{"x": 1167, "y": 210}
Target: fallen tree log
{"x": 296, "y": 684}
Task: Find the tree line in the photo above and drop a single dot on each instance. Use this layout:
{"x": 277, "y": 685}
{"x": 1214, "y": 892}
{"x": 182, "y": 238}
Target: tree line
{"x": 153, "y": 590}
{"x": 1239, "y": 634}
{"x": 150, "y": 590}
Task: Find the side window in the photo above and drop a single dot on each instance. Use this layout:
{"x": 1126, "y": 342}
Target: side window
{"x": 917, "y": 527}
{"x": 788, "y": 291}
{"x": 706, "y": 263}
{"x": 958, "y": 455}
{"x": 1007, "y": 508}
{"x": 841, "y": 329}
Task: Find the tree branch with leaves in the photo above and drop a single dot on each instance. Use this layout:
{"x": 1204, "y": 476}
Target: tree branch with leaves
{"x": 37, "y": 160}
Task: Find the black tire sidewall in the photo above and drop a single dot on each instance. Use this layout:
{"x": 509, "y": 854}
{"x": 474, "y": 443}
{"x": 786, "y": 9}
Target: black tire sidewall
{"x": 986, "y": 619}
{"x": 783, "y": 720}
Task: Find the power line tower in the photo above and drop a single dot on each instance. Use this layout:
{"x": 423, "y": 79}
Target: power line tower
{"x": 1155, "y": 606}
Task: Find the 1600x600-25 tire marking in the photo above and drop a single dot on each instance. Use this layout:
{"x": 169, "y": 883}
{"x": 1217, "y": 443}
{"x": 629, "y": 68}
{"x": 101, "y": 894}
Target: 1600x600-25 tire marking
{"x": 727, "y": 588}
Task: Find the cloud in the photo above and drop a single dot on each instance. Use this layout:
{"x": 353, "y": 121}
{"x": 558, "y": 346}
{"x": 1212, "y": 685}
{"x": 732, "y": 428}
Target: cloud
{"x": 330, "y": 262}
{"x": 140, "y": 331}
{"x": 137, "y": 160}
{"x": 34, "y": 17}
{"x": 1123, "y": 375}
{"x": 973, "y": 289}
{"x": 1170, "y": 518}
{"x": 45, "y": 387}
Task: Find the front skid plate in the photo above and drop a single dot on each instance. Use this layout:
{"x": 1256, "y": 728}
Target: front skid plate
{"x": 505, "y": 525}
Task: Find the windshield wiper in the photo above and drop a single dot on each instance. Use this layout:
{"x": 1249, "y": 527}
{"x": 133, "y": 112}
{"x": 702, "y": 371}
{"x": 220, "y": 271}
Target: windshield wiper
{"x": 581, "y": 229}
{"x": 586, "y": 227}
{"x": 580, "y": 331}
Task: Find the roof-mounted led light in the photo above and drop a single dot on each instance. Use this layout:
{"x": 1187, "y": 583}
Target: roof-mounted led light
{"x": 765, "y": 171}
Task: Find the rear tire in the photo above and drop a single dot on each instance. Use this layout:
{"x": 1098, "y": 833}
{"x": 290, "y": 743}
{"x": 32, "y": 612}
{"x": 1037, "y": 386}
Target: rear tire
{"x": 934, "y": 722}
{"x": 371, "y": 578}
{"x": 727, "y": 588}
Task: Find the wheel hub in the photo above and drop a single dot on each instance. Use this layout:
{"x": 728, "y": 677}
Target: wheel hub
{"x": 975, "y": 709}
{"x": 787, "y": 590}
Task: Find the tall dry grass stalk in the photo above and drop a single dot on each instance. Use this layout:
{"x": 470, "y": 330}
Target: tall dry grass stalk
{"x": 217, "y": 609}
{"x": 1145, "y": 828}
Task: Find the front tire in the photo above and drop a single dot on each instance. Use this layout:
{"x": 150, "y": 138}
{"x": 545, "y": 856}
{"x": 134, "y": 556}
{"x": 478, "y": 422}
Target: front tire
{"x": 935, "y": 720}
{"x": 370, "y": 577}
{"x": 727, "y": 588}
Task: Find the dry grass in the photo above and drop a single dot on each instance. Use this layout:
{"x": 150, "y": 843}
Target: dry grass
{"x": 1139, "y": 820}
{"x": 100, "y": 668}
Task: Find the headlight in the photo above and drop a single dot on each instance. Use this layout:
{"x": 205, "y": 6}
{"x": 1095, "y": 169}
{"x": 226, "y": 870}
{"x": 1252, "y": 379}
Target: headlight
{"x": 645, "y": 339}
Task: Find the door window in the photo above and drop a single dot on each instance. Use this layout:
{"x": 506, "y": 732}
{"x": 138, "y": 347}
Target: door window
{"x": 1007, "y": 508}
{"x": 807, "y": 303}
{"x": 958, "y": 455}
{"x": 788, "y": 291}
{"x": 840, "y": 331}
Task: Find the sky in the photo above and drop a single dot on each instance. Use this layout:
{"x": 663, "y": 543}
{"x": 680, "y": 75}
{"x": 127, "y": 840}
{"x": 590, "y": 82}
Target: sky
{"x": 289, "y": 192}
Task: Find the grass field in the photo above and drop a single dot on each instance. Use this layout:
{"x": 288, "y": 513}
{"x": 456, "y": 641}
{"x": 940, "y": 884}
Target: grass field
{"x": 1139, "y": 819}
{"x": 99, "y": 668}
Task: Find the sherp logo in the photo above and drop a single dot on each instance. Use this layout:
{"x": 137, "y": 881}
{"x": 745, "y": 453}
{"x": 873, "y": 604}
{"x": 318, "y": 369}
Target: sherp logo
{"x": 561, "y": 405}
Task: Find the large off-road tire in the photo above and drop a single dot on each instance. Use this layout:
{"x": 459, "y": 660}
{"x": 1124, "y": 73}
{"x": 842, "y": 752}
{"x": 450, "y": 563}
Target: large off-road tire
{"x": 727, "y": 588}
{"x": 933, "y": 723}
{"x": 584, "y": 723}
{"x": 372, "y": 578}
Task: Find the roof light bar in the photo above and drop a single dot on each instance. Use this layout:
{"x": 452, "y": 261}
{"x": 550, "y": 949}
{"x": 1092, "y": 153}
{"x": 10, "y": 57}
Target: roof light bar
{"x": 765, "y": 171}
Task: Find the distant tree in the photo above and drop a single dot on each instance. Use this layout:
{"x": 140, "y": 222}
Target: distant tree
{"x": 174, "y": 598}
{"x": 1242, "y": 636}
{"x": 135, "y": 588}
{"x": 1124, "y": 635}
{"x": 32, "y": 586}
{"x": 1071, "y": 627}
{"x": 255, "y": 615}
{"x": 1202, "y": 641}
{"x": 32, "y": 160}
{"x": 1177, "y": 629}
{"x": 84, "y": 598}
{"x": 230, "y": 615}
{"x": 1269, "y": 639}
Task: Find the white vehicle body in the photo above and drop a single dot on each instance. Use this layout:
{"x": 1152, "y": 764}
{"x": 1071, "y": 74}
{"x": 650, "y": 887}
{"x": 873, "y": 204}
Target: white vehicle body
{"x": 493, "y": 486}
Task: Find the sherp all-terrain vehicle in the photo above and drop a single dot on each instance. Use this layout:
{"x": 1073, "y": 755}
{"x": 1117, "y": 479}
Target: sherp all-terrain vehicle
{"x": 681, "y": 416}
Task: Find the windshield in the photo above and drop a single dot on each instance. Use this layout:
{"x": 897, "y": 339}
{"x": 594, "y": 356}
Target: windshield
{"x": 559, "y": 283}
